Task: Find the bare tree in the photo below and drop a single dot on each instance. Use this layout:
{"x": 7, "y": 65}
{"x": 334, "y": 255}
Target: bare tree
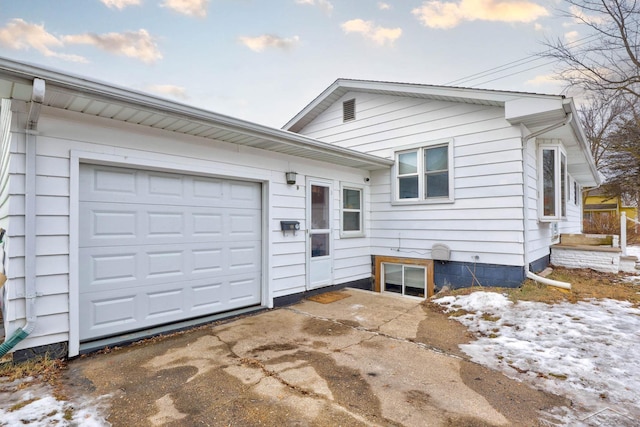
{"x": 599, "y": 116}
{"x": 608, "y": 59}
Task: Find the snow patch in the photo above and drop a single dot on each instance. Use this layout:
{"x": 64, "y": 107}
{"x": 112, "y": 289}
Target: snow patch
{"x": 585, "y": 351}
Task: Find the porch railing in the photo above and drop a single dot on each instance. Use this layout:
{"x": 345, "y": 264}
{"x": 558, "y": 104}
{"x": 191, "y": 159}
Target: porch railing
{"x": 623, "y": 231}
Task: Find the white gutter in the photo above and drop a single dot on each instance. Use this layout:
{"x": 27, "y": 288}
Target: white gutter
{"x": 525, "y": 184}
{"x": 159, "y": 105}
{"x": 37, "y": 98}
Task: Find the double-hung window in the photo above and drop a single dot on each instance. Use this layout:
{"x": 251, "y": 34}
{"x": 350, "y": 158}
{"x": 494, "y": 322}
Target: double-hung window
{"x": 424, "y": 174}
{"x": 553, "y": 181}
{"x": 352, "y": 221}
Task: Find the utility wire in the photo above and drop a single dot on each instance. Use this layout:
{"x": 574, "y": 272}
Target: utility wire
{"x": 514, "y": 64}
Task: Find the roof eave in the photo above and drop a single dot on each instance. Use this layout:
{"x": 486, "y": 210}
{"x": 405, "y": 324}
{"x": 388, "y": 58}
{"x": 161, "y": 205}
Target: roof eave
{"x": 26, "y": 73}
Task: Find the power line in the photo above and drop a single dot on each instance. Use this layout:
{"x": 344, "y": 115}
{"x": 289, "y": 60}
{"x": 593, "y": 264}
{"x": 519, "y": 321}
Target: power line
{"x": 514, "y": 64}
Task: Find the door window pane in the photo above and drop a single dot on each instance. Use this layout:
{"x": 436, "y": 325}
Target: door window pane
{"x": 319, "y": 207}
{"x": 319, "y": 245}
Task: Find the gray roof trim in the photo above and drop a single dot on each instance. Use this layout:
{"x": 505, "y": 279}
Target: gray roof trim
{"x": 79, "y": 94}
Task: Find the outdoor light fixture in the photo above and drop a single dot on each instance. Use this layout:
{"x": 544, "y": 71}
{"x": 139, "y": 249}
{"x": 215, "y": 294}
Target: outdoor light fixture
{"x": 291, "y": 177}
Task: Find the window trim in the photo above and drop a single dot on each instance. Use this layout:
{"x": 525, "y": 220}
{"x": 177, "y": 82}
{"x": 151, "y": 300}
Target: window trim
{"x": 427, "y": 263}
{"x": 421, "y": 172}
{"x": 352, "y": 233}
{"x": 561, "y": 182}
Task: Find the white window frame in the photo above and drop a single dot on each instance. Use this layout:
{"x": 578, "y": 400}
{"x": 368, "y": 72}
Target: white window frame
{"x": 403, "y": 279}
{"x": 561, "y": 183}
{"x": 352, "y": 233}
{"x": 420, "y": 151}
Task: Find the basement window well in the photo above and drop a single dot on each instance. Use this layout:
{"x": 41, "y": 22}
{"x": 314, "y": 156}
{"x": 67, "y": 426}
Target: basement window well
{"x": 404, "y": 276}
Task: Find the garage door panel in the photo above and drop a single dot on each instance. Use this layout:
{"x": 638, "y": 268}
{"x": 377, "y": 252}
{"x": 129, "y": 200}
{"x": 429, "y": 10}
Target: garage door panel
{"x": 117, "y": 224}
{"x": 157, "y": 248}
{"x": 112, "y": 312}
{"x": 123, "y": 267}
{"x": 120, "y": 185}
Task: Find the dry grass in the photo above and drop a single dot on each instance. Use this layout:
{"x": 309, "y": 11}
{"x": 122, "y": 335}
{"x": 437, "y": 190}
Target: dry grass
{"x": 42, "y": 369}
{"x": 585, "y": 284}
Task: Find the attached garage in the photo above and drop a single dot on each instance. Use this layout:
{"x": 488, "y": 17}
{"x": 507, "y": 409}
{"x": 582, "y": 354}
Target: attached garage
{"x": 128, "y": 215}
{"x": 157, "y": 248}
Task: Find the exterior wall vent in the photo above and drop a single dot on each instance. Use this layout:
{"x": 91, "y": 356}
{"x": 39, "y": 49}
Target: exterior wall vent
{"x": 349, "y": 110}
{"x": 440, "y": 252}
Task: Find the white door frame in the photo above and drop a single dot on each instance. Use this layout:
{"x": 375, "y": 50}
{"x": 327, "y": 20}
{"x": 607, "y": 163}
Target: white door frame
{"x": 319, "y": 267}
{"x": 134, "y": 159}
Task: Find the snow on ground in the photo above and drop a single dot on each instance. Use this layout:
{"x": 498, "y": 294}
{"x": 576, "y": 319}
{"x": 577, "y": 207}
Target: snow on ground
{"x": 588, "y": 351}
{"x": 36, "y": 406}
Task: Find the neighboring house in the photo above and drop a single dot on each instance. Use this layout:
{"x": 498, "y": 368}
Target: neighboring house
{"x": 128, "y": 215}
{"x": 600, "y": 208}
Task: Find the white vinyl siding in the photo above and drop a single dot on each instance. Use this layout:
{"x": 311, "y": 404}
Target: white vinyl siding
{"x": 486, "y": 219}
{"x": 67, "y": 139}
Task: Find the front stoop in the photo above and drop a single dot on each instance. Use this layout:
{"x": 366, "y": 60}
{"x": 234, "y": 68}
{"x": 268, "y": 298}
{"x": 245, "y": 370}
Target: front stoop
{"x": 629, "y": 263}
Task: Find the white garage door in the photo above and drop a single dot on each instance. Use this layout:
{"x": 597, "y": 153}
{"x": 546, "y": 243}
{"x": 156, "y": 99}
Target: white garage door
{"x": 157, "y": 248}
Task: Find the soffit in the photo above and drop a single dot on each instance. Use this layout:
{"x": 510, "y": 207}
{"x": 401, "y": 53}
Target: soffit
{"x": 80, "y": 95}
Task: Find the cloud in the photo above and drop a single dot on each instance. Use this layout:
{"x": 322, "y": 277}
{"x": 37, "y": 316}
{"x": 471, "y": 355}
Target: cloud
{"x": 21, "y": 35}
{"x": 172, "y": 90}
{"x": 120, "y": 4}
{"x": 571, "y": 36}
{"x": 440, "y": 14}
{"x": 543, "y": 79}
{"x": 260, "y": 43}
{"x": 322, "y": 4}
{"x": 134, "y": 44}
{"x": 197, "y": 8}
{"x": 580, "y": 16}
{"x": 383, "y": 5}
{"x": 369, "y": 30}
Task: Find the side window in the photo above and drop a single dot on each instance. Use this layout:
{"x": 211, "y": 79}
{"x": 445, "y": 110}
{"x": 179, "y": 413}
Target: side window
{"x": 424, "y": 174}
{"x": 351, "y": 216}
{"x": 553, "y": 183}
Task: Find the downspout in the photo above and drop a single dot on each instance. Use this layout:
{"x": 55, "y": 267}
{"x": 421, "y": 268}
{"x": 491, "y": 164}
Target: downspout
{"x": 525, "y": 182}
{"x": 37, "y": 97}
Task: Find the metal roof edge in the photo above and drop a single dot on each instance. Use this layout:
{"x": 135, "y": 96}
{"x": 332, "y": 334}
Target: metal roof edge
{"x": 105, "y": 90}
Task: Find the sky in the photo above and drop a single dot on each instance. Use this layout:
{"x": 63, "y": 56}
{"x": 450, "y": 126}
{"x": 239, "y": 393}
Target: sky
{"x": 264, "y": 61}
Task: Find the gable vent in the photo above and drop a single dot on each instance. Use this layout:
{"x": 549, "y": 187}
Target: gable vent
{"x": 349, "y": 110}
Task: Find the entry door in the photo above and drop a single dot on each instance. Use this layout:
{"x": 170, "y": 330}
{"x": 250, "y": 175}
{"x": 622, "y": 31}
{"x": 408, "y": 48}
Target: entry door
{"x": 319, "y": 242}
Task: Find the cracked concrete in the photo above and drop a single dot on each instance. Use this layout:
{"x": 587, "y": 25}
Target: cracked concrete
{"x": 364, "y": 360}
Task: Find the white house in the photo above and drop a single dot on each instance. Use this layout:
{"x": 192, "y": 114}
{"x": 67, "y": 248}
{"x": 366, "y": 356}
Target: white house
{"x": 491, "y": 177}
{"x": 128, "y": 215}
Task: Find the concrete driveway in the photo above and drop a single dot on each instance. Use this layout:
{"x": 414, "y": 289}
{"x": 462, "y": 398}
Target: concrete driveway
{"x": 360, "y": 358}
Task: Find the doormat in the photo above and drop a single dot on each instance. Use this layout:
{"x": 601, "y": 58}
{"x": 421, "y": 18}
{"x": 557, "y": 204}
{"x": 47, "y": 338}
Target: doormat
{"x": 329, "y": 297}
